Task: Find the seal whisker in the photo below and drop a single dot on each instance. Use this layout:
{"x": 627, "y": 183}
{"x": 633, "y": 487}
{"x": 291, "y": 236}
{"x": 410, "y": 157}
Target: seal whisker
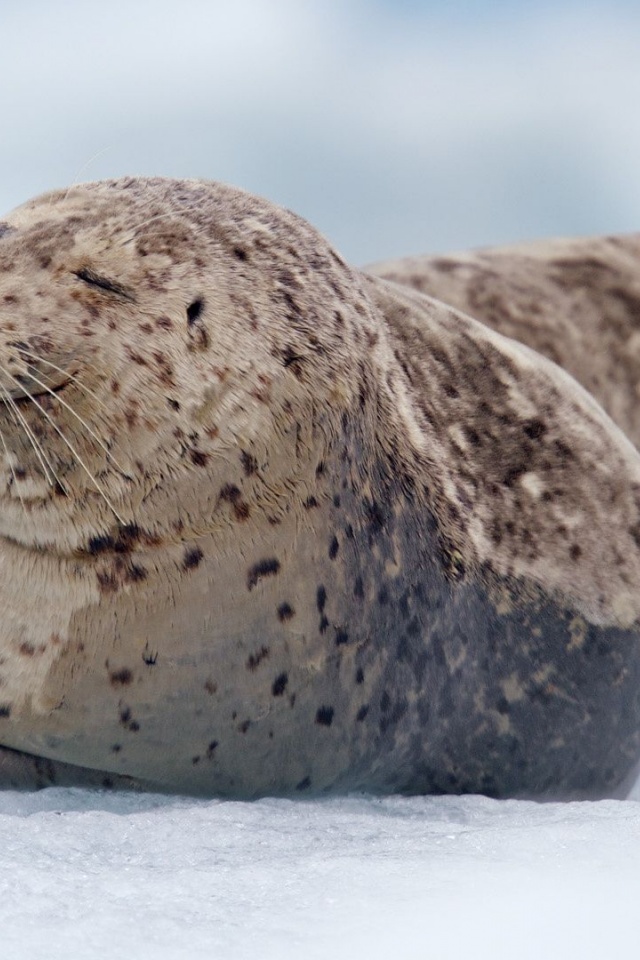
{"x": 72, "y": 377}
{"x": 75, "y": 414}
{"x": 70, "y": 446}
{"x": 13, "y": 472}
{"x": 20, "y": 421}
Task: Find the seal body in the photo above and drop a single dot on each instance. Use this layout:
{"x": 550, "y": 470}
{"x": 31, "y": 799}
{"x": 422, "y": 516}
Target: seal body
{"x": 270, "y": 525}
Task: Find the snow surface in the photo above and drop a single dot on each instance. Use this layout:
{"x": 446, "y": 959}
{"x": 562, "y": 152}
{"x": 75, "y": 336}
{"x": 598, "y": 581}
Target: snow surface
{"x": 93, "y": 874}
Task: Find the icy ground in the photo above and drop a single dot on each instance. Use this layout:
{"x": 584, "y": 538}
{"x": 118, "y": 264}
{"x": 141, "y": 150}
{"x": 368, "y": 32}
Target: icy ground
{"x": 98, "y": 875}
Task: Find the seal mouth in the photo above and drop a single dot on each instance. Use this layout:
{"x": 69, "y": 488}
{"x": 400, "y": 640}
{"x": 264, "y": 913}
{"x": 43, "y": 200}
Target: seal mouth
{"x": 27, "y": 389}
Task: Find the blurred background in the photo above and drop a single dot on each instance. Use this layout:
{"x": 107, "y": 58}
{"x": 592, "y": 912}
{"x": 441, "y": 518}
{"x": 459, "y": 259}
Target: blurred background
{"x": 396, "y": 127}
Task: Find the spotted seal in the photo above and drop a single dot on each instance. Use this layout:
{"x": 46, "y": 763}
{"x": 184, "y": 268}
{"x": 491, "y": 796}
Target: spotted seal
{"x": 271, "y": 525}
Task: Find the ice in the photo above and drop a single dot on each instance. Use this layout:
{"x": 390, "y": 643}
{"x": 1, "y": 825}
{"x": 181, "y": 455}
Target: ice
{"x": 101, "y": 875}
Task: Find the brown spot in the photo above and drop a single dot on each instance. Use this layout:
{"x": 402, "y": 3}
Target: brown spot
{"x": 120, "y": 678}
{"x": 164, "y": 323}
{"x": 255, "y": 659}
{"x": 249, "y": 463}
{"x": 232, "y": 495}
{"x": 211, "y": 687}
{"x": 107, "y": 582}
{"x": 575, "y": 552}
{"x": 135, "y": 573}
{"x": 199, "y": 458}
{"x": 27, "y": 649}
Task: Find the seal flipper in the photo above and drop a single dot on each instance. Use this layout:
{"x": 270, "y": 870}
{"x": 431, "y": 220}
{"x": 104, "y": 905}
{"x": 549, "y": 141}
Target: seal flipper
{"x": 24, "y": 771}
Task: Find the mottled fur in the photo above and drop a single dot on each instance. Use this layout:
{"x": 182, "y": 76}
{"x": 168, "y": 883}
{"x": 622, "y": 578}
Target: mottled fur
{"x": 271, "y": 525}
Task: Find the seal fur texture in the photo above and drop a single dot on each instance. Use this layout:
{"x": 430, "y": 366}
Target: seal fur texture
{"x": 577, "y": 301}
{"x": 270, "y": 525}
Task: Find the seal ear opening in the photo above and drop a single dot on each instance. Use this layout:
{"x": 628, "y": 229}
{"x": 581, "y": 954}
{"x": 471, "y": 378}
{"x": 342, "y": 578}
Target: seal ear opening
{"x": 198, "y": 336}
{"x": 194, "y": 310}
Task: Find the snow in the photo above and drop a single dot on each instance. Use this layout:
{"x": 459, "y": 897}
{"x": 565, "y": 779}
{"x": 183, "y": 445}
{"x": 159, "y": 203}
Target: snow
{"x": 95, "y": 874}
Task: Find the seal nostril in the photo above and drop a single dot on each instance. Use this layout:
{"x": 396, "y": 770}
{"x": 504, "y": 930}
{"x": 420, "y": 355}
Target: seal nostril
{"x": 194, "y": 310}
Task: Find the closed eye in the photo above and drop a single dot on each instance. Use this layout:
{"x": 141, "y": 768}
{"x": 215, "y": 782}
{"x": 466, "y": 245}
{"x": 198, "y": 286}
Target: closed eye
{"x": 104, "y": 283}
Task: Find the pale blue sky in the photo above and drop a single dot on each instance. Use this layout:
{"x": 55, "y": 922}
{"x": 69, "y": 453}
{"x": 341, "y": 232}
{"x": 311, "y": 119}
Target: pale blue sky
{"x": 394, "y": 127}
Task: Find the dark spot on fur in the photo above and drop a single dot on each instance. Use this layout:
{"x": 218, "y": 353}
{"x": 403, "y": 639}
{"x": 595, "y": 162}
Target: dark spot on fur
{"x": 279, "y": 685}
{"x": 324, "y": 716}
{"x": 362, "y": 712}
{"x": 321, "y": 598}
{"x": 359, "y": 675}
{"x": 116, "y": 748}
{"x": 358, "y": 588}
{"x": 149, "y": 658}
{"x": 575, "y": 552}
{"x": 192, "y": 557}
{"x": 5, "y": 710}
{"x": 324, "y": 623}
{"x": 534, "y": 429}
{"x": 135, "y": 573}
{"x": 264, "y": 568}
{"x": 231, "y": 494}
{"x": 334, "y": 546}
{"x": 211, "y": 749}
{"x": 211, "y": 687}
{"x": 199, "y": 458}
{"x": 304, "y": 784}
{"x": 342, "y": 637}
{"x": 255, "y": 659}
{"x": 285, "y": 612}
{"x": 240, "y": 254}
{"x": 310, "y": 503}
{"x": 120, "y": 678}
{"x": 249, "y": 463}
{"x": 99, "y": 544}
{"x": 502, "y": 705}
{"x": 107, "y": 582}
{"x": 383, "y": 596}
{"x": 336, "y": 500}
{"x": 244, "y": 726}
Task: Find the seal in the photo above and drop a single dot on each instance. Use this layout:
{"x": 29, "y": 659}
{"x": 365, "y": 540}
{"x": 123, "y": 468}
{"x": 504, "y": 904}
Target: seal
{"x": 271, "y": 525}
